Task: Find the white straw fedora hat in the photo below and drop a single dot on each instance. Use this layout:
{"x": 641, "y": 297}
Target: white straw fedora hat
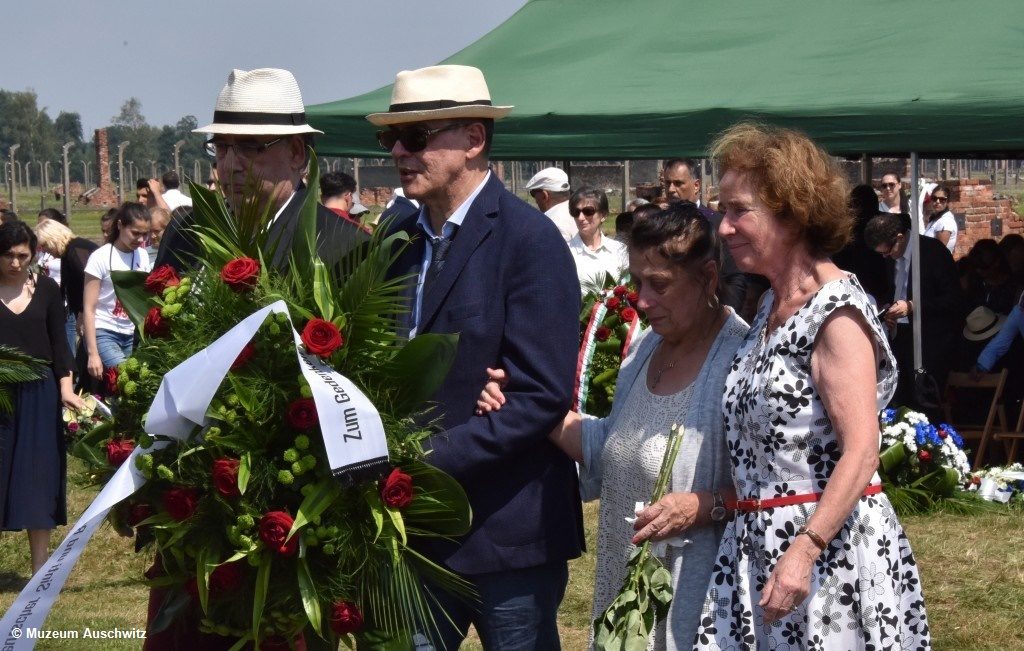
{"x": 439, "y": 92}
{"x": 259, "y": 102}
{"x": 982, "y": 323}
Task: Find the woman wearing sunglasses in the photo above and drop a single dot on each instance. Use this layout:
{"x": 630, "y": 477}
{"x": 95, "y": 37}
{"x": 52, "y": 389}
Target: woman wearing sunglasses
{"x": 941, "y": 222}
{"x": 595, "y": 255}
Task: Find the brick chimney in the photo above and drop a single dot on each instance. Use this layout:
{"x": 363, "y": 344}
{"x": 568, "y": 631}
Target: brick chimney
{"x": 104, "y": 194}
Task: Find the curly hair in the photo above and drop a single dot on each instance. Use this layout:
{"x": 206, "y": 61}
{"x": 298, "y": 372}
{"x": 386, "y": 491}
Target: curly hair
{"x": 794, "y": 177}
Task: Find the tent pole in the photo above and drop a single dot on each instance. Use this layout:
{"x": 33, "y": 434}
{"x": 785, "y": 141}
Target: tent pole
{"x": 568, "y": 171}
{"x": 915, "y": 259}
{"x": 625, "y": 184}
{"x": 865, "y": 168}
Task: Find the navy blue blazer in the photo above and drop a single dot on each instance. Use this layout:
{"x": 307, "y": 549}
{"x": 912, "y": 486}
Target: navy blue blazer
{"x": 509, "y": 289}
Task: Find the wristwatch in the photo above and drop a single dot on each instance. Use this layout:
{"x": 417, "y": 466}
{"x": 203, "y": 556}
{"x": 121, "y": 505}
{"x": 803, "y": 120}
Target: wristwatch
{"x": 718, "y": 511}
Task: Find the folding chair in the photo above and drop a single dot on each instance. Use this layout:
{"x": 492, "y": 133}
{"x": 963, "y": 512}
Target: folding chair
{"x": 1015, "y": 435}
{"x": 971, "y": 430}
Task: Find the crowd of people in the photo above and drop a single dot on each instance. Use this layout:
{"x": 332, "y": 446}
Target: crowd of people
{"x": 780, "y": 324}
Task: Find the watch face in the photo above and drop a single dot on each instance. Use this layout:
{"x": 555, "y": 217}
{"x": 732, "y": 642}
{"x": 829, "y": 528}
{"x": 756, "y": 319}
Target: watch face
{"x": 718, "y": 513}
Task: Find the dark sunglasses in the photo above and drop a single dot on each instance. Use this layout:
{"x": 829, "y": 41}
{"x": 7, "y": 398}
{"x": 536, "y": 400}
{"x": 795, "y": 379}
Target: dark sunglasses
{"x": 940, "y": 198}
{"x": 888, "y": 186}
{"x": 413, "y": 139}
{"x": 589, "y": 211}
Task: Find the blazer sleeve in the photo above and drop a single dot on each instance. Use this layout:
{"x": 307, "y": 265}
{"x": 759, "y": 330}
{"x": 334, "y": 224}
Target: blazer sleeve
{"x": 945, "y": 297}
{"x": 179, "y": 246}
{"x": 538, "y": 350}
{"x": 996, "y": 348}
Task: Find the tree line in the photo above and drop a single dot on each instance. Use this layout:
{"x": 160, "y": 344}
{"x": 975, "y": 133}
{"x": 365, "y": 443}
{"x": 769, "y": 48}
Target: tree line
{"x": 24, "y": 122}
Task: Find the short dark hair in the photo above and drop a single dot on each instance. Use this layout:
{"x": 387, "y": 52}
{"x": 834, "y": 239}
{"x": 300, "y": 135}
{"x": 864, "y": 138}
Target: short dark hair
{"x": 142, "y": 183}
{"x": 624, "y": 222}
{"x": 14, "y": 233}
{"x": 884, "y": 227}
{"x": 8, "y": 216}
{"x": 170, "y": 180}
{"x": 54, "y": 214}
{"x": 335, "y": 184}
{"x": 682, "y": 235}
{"x": 645, "y": 211}
{"x": 590, "y": 193}
{"x": 691, "y": 165}
{"x": 109, "y": 215}
{"x": 129, "y": 213}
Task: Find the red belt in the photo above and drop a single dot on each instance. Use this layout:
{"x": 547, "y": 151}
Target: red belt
{"x": 756, "y": 504}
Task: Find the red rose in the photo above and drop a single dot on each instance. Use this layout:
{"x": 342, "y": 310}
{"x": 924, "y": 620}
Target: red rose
{"x": 633, "y": 297}
{"x": 321, "y": 337}
{"x": 154, "y": 325}
{"x": 241, "y": 274}
{"x": 628, "y": 315}
{"x": 620, "y": 290}
{"x": 226, "y": 578}
{"x": 943, "y": 433}
{"x": 603, "y": 333}
{"x": 924, "y": 455}
{"x": 244, "y": 355}
{"x": 346, "y": 618}
{"x": 110, "y": 379}
{"x": 118, "y": 450}
{"x": 161, "y": 278}
{"x": 180, "y": 502}
{"x": 274, "y": 528}
{"x": 396, "y": 491}
{"x": 137, "y": 513}
{"x": 225, "y": 476}
{"x": 976, "y": 481}
{"x": 612, "y": 303}
{"x": 72, "y": 426}
{"x": 302, "y": 414}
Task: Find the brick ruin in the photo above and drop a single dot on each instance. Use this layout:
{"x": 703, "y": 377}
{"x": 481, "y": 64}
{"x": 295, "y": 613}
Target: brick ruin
{"x": 984, "y": 216}
{"x": 104, "y": 195}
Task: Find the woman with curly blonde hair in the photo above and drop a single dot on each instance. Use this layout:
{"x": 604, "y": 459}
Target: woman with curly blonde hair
{"x": 814, "y": 557}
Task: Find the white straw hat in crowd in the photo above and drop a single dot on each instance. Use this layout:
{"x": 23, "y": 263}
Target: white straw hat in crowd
{"x": 439, "y": 92}
{"x": 982, "y": 323}
{"x": 265, "y": 101}
{"x": 551, "y": 179}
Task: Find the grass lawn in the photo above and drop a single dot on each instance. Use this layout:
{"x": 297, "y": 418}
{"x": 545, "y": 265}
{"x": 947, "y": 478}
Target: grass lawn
{"x": 972, "y": 569}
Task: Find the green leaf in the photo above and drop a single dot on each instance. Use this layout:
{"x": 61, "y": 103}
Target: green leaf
{"x": 244, "y": 471}
{"x": 310, "y": 600}
{"x": 446, "y": 513}
{"x": 397, "y": 522}
{"x": 129, "y": 286}
{"x": 205, "y": 563}
{"x": 892, "y": 458}
{"x": 322, "y": 496}
{"x": 259, "y": 599}
{"x": 418, "y": 369}
{"x": 240, "y": 644}
{"x": 373, "y": 500}
{"x": 323, "y": 290}
{"x": 303, "y": 253}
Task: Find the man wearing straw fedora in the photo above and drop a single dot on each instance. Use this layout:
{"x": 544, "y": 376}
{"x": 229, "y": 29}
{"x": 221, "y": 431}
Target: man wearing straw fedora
{"x": 491, "y": 268}
{"x": 260, "y": 139}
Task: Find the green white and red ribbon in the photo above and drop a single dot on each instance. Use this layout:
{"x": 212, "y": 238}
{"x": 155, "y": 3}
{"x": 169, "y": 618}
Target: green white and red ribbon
{"x": 586, "y": 355}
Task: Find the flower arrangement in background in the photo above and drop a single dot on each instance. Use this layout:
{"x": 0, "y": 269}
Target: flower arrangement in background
{"x": 608, "y": 322}
{"x": 920, "y": 464}
{"x": 1000, "y": 484}
{"x": 83, "y": 423}
{"x": 254, "y": 537}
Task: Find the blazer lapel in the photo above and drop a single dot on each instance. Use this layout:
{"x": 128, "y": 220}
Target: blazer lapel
{"x": 283, "y": 229}
{"x": 409, "y": 263}
{"x": 475, "y": 228}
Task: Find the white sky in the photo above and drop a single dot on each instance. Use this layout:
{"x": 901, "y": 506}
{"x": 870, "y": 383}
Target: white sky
{"x": 175, "y": 56}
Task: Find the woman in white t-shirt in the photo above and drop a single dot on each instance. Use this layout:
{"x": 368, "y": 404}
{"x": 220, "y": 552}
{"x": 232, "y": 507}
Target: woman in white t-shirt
{"x": 941, "y": 222}
{"x": 595, "y": 254}
{"x": 109, "y": 332}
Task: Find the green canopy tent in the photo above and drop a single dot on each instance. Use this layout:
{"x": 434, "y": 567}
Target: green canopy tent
{"x": 607, "y": 79}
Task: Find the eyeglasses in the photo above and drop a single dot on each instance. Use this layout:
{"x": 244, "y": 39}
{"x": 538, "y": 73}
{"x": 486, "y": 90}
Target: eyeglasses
{"x": 413, "y": 139}
{"x": 250, "y": 150}
{"x": 942, "y": 199}
{"x": 589, "y": 211}
{"x": 888, "y": 247}
{"x": 889, "y": 186}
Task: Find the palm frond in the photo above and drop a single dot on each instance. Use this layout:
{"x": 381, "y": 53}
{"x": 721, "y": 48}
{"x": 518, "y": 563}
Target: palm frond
{"x": 16, "y": 367}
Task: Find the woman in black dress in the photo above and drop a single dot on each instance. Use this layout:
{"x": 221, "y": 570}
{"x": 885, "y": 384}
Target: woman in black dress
{"x": 32, "y": 458}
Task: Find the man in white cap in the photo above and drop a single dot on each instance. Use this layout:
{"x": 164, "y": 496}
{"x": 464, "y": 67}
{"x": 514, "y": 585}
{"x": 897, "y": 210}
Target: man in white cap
{"x": 550, "y": 189}
{"x": 494, "y": 270}
{"x": 260, "y": 139}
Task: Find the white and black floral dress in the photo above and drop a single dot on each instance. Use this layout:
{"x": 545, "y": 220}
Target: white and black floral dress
{"x": 865, "y": 588}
